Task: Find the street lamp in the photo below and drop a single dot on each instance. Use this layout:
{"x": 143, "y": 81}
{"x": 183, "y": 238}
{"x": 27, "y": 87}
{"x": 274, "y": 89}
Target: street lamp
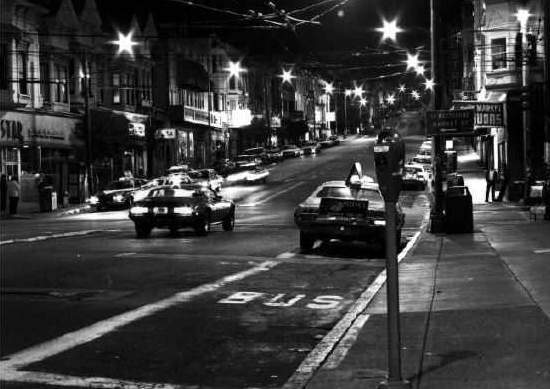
{"x": 287, "y": 76}
{"x": 522, "y": 16}
{"x": 358, "y": 91}
{"x": 389, "y": 30}
{"x": 420, "y": 70}
{"x": 362, "y": 103}
{"x": 412, "y": 61}
{"x": 415, "y": 95}
{"x": 391, "y": 99}
{"x": 429, "y": 84}
{"x": 402, "y": 88}
{"x": 125, "y": 43}
{"x": 234, "y": 69}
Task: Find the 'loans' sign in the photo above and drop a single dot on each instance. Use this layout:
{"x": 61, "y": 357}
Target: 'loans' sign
{"x": 487, "y": 114}
{"x": 452, "y": 122}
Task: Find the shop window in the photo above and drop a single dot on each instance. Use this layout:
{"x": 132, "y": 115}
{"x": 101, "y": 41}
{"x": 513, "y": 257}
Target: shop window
{"x": 116, "y": 88}
{"x": 60, "y": 90}
{"x": 45, "y": 87}
{"x": 498, "y": 53}
{"x": 3, "y": 66}
{"x": 22, "y": 73}
{"x": 232, "y": 83}
{"x": 72, "y": 77}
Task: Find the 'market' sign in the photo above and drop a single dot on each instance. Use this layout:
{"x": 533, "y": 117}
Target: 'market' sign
{"x": 452, "y": 122}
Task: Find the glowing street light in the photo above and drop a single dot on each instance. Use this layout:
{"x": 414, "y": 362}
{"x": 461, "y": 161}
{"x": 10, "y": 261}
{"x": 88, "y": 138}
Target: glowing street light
{"x": 287, "y": 76}
{"x": 348, "y": 92}
{"x": 391, "y": 99}
{"x": 415, "y": 95}
{"x": 412, "y": 61}
{"x": 429, "y": 84}
{"x": 358, "y": 91}
{"x": 235, "y": 69}
{"x": 389, "y": 30}
{"x": 329, "y": 87}
{"x": 363, "y": 101}
{"x": 402, "y": 88}
{"x": 125, "y": 43}
{"x": 420, "y": 70}
{"x": 522, "y": 15}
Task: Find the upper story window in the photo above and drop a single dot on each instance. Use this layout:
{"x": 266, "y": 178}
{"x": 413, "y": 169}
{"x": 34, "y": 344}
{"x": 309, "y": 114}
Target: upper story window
{"x": 45, "y": 87}
{"x": 22, "y": 72}
{"x": 60, "y": 83}
{"x": 116, "y": 88}
{"x": 3, "y": 66}
{"x": 498, "y": 53}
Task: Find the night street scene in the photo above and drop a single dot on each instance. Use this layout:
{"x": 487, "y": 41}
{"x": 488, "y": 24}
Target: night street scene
{"x": 289, "y": 194}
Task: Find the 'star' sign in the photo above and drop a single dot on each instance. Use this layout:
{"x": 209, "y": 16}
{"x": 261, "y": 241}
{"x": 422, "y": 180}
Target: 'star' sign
{"x": 452, "y": 122}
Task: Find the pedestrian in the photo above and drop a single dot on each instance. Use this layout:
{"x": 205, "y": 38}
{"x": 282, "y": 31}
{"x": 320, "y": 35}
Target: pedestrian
{"x": 3, "y": 194}
{"x": 490, "y": 179}
{"x": 505, "y": 180}
{"x": 13, "y": 194}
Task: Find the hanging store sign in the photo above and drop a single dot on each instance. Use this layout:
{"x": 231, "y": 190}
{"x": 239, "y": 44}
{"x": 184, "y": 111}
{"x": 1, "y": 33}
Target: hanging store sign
{"x": 488, "y": 114}
{"x": 136, "y": 129}
{"x": 452, "y": 122}
{"x": 165, "y": 133}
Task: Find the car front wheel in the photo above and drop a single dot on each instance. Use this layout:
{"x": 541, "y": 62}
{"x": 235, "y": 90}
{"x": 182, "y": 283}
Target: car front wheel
{"x": 306, "y": 241}
{"x": 228, "y": 223}
{"x": 203, "y": 227}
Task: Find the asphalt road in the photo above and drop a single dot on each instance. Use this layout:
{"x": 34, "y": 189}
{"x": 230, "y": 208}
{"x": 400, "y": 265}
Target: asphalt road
{"x": 86, "y": 304}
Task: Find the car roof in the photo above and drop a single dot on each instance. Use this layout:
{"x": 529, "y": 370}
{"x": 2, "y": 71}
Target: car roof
{"x": 417, "y": 165}
{"x": 342, "y": 184}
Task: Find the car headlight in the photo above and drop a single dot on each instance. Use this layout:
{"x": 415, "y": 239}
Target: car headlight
{"x": 93, "y": 200}
{"x": 118, "y": 198}
{"x": 186, "y": 211}
{"x": 379, "y": 222}
{"x": 138, "y": 210}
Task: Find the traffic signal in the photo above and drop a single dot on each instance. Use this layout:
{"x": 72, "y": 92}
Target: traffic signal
{"x": 389, "y": 159}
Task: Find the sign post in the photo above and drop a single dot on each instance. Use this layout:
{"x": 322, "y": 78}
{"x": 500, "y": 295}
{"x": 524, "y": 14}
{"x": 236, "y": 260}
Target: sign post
{"x": 389, "y": 158}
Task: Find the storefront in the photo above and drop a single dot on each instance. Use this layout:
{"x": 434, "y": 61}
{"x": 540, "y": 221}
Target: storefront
{"x": 37, "y": 147}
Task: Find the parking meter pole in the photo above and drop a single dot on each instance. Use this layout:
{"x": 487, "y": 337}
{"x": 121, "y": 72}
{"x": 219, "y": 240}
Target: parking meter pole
{"x": 437, "y": 218}
{"x": 392, "y": 290}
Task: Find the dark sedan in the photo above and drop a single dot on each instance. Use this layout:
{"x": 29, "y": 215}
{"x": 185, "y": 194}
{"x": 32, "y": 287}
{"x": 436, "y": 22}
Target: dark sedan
{"x": 117, "y": 194}
{"x": 192, "y": 206}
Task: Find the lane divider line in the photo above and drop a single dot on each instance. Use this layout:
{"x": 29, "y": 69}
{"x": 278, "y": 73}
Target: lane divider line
{"x": 351, "y": 321}
{"x": 53, "y": 236}
{"x": 11, "y": 364}
{"x": 272, "y": 196}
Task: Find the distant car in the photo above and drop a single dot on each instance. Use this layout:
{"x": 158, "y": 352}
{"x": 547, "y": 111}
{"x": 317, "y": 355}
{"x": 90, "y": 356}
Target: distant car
{"x": 116, "y": 195}
{"x": 426, "y": 145}
{"x": 142, "y": 192}
{"x": 178, "y": 169}
{"x": 274, "y": 154}
{"x": 311, "y": 148}
{"x": 224, "y": 166}
{"x": 424, "y": 160}
{"x": 247, "y": 161}
{"x": 427, "y": 152}
{"x": 326, "y": 143}
{"x": 191, "y": 206}
{"x": 334, "y": 139}
{"x": 337, "y": 211}
{"x": 291, "y": 151}
{"x": 259, "y": 152}
{"x": 206, "y": 177}
{"x": 415, "y": 176}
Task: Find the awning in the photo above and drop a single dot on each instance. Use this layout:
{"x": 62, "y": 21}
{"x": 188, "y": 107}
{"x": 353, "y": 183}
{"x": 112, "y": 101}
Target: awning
{"x": 191, "y": 75}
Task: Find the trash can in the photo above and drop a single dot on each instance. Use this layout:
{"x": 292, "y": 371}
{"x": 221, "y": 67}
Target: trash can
{"x": 459, "y": 215}
{"x": 515, "y": 193}
{"x": 47, "y": 199}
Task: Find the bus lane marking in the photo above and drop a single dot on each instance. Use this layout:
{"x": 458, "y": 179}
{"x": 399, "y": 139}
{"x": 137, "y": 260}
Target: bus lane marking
{"x": 11, "y": 366}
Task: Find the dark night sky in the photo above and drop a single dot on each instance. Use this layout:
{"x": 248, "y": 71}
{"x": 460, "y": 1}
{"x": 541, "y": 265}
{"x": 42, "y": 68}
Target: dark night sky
{"x": 344, "y": 46}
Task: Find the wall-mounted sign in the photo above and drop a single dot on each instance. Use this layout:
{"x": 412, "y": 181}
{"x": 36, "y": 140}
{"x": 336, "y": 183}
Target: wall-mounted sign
{"x": 136, "y": 129}
{"x": 488, "y": 114}
{"x": 165, "y": 133}
{"x": 17, "y": 128}
{"x": 452, "y": 122}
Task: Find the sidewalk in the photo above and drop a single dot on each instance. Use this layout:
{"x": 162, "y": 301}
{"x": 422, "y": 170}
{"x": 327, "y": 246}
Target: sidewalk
{"x": 27, "y": 210}
{"x": 475, "y": 308}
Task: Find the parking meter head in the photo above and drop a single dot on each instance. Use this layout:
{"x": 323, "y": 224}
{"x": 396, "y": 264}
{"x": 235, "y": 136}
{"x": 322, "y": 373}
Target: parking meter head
{"x": 355, "y": 175}
{"x": 389, "y": 159}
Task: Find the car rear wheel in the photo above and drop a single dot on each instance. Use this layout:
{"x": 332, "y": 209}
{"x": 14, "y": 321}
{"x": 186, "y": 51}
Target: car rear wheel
{"x": 228, "y": 224}
{"x": 203, "y": 227}
{"x": 143, "y": 230}
{"x": 306, "y": 241}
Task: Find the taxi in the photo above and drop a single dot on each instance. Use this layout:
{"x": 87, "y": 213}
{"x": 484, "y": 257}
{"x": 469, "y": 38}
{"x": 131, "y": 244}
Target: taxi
{"x": 352, "y": 211}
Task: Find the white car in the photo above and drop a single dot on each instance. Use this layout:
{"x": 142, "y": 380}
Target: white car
{"x": 415, "y": 176}
{"x": 426, "y": 145}
{"x": 173, "y": 180}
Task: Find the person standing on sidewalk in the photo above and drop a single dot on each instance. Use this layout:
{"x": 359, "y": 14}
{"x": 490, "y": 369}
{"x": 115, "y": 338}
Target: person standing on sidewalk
{"x": 13, "y": 195}
{"x": 490, "y": 179}
{"x": 3, "y": 194}
{"x": 505, "y": 181}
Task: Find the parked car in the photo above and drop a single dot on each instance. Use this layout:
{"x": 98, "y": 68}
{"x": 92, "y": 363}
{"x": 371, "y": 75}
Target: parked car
{"x": 260, "y": 152}
{"x": 426, "y": 145}
{"x": 142, "y": 192}
{"x": 117, "y": 194}
{"x": 291, "y": 151}
{"x": 191, "y": 206}
{"x": 224, "y": 166}
{"x": 326, "y": 143}
{"x": 334, "y": 139}
{"x": 338, "y": 211}
{"x": 247, "y": 161}
{"x": 178, "y": 169}
{"x": 310, "y": 148}
{"x": 206, "y": 177}
{"x": 274, "y": 154}
{"x": 415, "y": 176}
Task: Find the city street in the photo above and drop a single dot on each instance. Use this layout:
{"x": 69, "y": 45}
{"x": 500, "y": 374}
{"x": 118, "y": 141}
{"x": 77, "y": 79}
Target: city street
{"x": 85, "y": 303}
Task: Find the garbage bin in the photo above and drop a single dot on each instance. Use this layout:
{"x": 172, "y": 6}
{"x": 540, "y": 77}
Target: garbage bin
{"x": 459, "y": 215}
{"x": 47, "y": 199}
{"x": 515, "y": 193}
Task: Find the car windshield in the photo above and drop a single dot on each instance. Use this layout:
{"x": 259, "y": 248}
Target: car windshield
{"x": 172, "y": 192}
{"x": 413, "y": 170}
{"x": 124, "y": 184}
{"x": 254, "y": 151}
{"x": 347, "y": 193}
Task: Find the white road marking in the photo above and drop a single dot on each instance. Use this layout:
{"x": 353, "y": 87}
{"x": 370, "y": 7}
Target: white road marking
{"x": 11, "y": 364}
{"x": 272, "y": 196}
{"x": 286, "y": 255}
{"x": 121, "y": 255}
{"x": 541, "y": 251}
{"x": 53, "y": 236}
{"x": 350, "y": 321}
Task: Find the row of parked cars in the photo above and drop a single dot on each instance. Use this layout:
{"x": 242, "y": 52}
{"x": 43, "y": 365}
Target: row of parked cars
{"x": 418, "y": 170}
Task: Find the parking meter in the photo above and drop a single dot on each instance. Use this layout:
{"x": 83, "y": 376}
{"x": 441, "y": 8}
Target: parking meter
{"x": 389, "y": 159}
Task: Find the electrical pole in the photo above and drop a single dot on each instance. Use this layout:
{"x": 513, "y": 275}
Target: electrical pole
{"x": 88, "y": 125}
